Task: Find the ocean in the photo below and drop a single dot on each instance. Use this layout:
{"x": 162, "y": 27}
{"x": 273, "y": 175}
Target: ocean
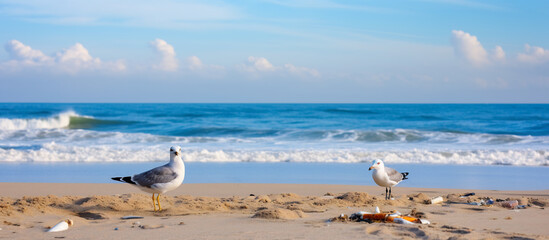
{"x": 466, "y": 135}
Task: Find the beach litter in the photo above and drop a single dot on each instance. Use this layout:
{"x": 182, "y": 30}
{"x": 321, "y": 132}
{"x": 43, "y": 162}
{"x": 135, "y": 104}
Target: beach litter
{"x": 540, "y": 203}
{"x": 467, "y": 195}
{"x": 436, "y": 200}
{"x": 488, "y": 202}
{"x": 378, "y": 216}
{"x": 509, "y": 204}
{"x": 61, "y": 226}
{"x": 394, "y": 217}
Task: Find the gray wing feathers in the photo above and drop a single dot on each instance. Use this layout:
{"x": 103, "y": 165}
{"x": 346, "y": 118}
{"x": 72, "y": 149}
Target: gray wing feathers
{"x": 161, "y": 174}
{"x": 394, "y": 175}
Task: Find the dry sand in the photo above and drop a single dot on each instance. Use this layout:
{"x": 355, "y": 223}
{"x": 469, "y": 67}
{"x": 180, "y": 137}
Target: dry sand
{"x": 261, "y": 211}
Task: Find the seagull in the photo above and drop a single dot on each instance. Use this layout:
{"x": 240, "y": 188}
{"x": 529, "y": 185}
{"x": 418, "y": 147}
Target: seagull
{"x": 161, "y": 179}
{"x": 386, "y": 176}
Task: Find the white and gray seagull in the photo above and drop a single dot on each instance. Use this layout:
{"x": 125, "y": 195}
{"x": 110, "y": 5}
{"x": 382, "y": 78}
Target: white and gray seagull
{"x": 161, "y": 179}
{"x": 386, "y": 176}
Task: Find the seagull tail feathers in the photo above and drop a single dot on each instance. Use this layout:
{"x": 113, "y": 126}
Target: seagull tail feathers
{"x": 124, "y": 179}
{"x": 404, "y": 174}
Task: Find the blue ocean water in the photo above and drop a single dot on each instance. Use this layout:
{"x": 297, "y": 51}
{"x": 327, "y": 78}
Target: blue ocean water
{"x": 470, "y": 134}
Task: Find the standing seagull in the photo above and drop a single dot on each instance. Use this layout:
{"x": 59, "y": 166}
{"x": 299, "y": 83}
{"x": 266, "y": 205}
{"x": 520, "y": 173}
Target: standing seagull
{"x": 161, "y": 179}
{"x": 386, "y": 176}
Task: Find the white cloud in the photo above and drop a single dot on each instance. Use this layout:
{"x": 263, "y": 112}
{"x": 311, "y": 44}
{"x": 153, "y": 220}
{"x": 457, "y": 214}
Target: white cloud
{"x": 499, "y": 54}
{"x": 71, "y": 60}
{"x": 20, "y": 52}
{"x": 533, "y": 54}
{"x": 260, "y": 64}
{"x": 195, "y": 63}
{"x": 168, "y": 61}
{"x": 77, "y": 57}
{"x": 76, "y": 53}
{"x": 468, "y": 47}
{"x": 256, "y": 64}
{"x": 301, "y": 70}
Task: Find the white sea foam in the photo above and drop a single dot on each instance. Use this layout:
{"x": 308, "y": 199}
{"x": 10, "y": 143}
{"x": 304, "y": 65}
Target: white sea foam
{"x": 82, "y": 137}
{"x": 408, "y": 136}
{"x": 61, "y": 120}
{"x": 480, "y": 157}
{"x": 52, "y": 152}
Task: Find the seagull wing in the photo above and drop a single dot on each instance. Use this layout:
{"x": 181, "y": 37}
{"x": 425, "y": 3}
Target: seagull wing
{"x": 394, "y": 175}
{"x": 162, "y": 174}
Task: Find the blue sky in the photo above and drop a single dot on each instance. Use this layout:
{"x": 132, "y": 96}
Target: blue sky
{"x": 274, "y": 51}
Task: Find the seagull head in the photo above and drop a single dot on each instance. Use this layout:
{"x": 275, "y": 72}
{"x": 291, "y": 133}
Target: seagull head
{"x": 376, "y": 164}
{"x": 175, "y": 150}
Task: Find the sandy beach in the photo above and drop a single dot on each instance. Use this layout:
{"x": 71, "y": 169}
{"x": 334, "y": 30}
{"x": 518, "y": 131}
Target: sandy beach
{"x": 263, "y": 211}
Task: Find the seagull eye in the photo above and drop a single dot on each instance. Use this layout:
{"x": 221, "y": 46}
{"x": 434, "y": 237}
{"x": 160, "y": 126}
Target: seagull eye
{"x": 377, "y": 163}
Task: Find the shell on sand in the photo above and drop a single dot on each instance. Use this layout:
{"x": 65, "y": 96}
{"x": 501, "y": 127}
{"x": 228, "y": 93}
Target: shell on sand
{"x": 61, "y": 226}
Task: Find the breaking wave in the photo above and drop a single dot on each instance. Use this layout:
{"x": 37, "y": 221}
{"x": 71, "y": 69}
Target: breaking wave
{"x": 52, "y": 152}
{"x": 61, "y": 120}
{"x": 68, "y": 119}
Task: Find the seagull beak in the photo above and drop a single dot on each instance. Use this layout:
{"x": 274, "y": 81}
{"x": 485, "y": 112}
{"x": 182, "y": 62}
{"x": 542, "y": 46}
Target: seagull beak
{"x": 372, "y": 167}
{"x": 176, "y": 153}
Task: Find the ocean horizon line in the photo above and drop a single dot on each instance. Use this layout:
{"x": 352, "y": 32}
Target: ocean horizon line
{"x": 304, "y": 103}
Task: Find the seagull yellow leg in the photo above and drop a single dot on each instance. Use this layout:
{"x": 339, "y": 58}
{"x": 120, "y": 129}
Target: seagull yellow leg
{"x": 159, "y": 208}
{"x": 154, "y": 203}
